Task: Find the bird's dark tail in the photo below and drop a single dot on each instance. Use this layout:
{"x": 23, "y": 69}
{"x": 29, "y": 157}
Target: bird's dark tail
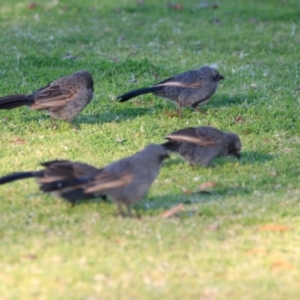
{"x": 19, "y": 175}
{"x": 138, "y": 92}
{"x": 13, "y": 101}
{"x": 171, "y": 146}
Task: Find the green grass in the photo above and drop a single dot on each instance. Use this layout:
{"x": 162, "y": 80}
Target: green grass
{"x": 218, "y": 247}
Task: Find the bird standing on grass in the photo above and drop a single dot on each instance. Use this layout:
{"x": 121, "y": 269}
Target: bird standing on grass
{"x": 201, "y": 145}
{"x": 125, "y": 181}
{"x": 63, "y": 99}
{"x": 188, "y": 89}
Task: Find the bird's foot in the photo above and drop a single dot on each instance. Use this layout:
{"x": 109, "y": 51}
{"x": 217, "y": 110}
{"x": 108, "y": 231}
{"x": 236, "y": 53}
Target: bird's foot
{"x": 53, "y": 124}
{"x": 75, "y": 128}
{"x": 174, "y": 114}
{"x": 199, "y": 110}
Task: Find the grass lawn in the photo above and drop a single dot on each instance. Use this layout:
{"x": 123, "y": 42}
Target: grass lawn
{"x": 239, "y": 241}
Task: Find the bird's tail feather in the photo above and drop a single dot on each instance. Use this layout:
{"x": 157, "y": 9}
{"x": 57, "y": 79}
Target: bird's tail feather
{"x": 138, "y": 92}
{"x": 14, "y": 101}
{"x": 19, "y": 175}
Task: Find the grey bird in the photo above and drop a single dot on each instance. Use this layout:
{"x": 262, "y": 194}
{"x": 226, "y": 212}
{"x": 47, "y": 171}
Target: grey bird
{"x": 63, "y": 99}
{"x": 188, "y": 89}
{"x": 125, "y": 181}
{"x": 201, "y": 145}
{"x": 55, "y": 171}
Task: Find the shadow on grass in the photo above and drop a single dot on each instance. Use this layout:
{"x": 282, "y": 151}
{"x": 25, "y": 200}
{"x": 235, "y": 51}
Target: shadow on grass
{"x": 102, "y": 118}
{"x": 114, "y": 116}
{"x": 255, "y": 157}
{"x": 137, "y": 108}
{"x": 140, "y": 107}
{"x": 51, "y": 198}
{"x": 227, "y": 101}
{"x": 246, "y": 158}
{"x": 159, "y": 204}
{"x": 160, "y": 103}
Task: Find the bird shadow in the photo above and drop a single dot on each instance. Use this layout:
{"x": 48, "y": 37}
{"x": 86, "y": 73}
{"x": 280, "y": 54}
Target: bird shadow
{"x": 116, "y": 115}
{"x": 157, "y": 205}
{"x": 226, "y": 101}
{"x": 119, "y": 112}
{"x": 249, "y": 157}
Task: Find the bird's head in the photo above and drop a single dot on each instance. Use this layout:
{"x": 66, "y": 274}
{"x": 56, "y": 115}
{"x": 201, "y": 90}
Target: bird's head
{"x": 234, "y": 145}
{"x": 216, "y": 76}
{"x": 87, "y": 77}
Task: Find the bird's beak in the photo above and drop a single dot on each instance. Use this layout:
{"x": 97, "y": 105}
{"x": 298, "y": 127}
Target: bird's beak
{"x": 221, "y": 77}
{"x": 237, "y": 155}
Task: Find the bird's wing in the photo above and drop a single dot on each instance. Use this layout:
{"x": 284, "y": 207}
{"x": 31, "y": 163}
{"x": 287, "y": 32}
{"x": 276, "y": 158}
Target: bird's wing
{"x": 62, "y": 169}
{"x": 105, "y": 180}
{"x": 189, "y": 79}
{"x": 53, "y": 162}
{"x": 191, "y": 135}
{"x": 53, "y": 95}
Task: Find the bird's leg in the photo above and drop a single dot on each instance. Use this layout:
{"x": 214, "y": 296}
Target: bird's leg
{"x": 73, "y": 125}
{"x": 179, "y": 108}
{"x": 199, "y": 110}
{"x": 121, "y": 211}
{"x": 130, "y": 214}
{"x": 180, "y": 112}
{"x": 104, "y": 198}
{"x": 53, "y": 123}
{"x": 138, "y": 215}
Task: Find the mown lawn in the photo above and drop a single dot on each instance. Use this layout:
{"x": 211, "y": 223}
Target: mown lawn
{"x": 240, "y": 239}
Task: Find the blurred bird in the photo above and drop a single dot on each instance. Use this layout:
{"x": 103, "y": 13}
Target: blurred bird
{"x": 188, "y": 89}
{"x": 59, "y": 170}
{"x": 63, "y": 99}
{"x": 125, "y": 181}
{"x": 201, "y": 145}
